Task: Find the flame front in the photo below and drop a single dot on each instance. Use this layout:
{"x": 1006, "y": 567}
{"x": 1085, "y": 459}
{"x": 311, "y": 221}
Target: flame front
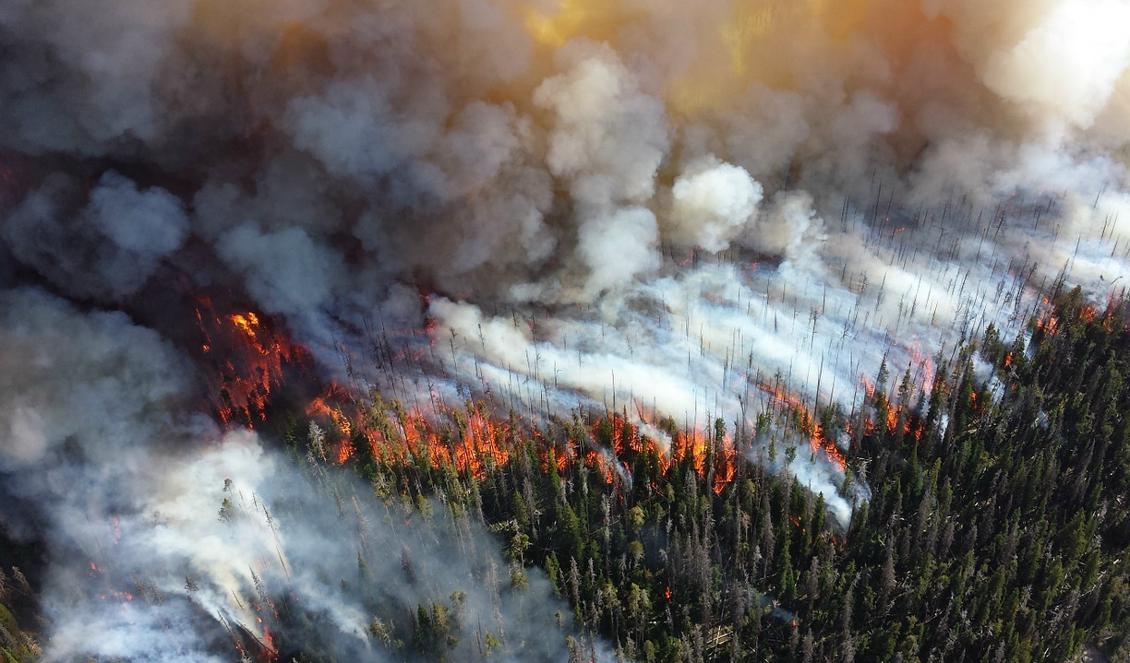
{"x": 473, "y": 442}
{"x": 247, "y": 359}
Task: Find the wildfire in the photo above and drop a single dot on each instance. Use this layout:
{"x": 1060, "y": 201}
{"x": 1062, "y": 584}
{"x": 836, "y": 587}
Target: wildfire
{"x": 891, "y": 414}
{"x": 726, "y": 466}
{"x": 113, "y": 595}
{"x": 482, "y": 442}
{"x": 249, "y": 359}
{"x": 269, "y": 643}
{"x": 1047, "y": 322}
{"x": 817, "y": 440}
{"x": 892, "y": 417}
{"x": 479, "y": 444}
{"x": 927, "y": 365}
{"x": 868, "y": 386}
{"x": 595, "y": 460}
{"x": 246, "y": 323}
{"x": 691, "y": 445}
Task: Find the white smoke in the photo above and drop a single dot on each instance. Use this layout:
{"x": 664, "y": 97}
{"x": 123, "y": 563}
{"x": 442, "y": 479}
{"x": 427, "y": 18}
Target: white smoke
{"x": 713, "y": 203}
{"x": 126, "y": 485}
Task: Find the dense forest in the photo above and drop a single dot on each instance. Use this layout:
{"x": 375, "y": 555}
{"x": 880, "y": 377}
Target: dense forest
{"x": 997, "y": 527}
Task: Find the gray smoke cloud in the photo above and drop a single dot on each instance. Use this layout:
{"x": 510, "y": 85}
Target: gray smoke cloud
{"x": 666, "y": 207}
{"x": 100, "y": 441}
{"x": 106, "y": 249}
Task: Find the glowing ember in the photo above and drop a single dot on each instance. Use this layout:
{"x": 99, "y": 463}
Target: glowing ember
{"x": 725, "y": 467}
{"x": 246, "y": 323}
{"x": 248, "y": 361}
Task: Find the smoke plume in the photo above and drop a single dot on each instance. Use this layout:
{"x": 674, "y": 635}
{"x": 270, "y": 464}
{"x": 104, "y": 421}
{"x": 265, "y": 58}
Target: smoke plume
{"x": 674, "y": 210}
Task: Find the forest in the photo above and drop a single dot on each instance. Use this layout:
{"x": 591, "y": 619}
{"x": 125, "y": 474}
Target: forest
{"x": 996, "y": 528}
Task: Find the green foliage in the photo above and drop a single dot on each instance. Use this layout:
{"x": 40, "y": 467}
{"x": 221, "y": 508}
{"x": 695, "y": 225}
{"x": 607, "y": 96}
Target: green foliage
{"x": 997, "y": 526}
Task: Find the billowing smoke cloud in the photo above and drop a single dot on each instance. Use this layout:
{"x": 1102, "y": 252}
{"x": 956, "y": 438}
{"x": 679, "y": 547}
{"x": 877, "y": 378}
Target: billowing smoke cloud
{"x": 713, "y": 203}
{"x": 106, "y": 249}
{"x": 665, "y": 209}
{"x": 100, "y": 445}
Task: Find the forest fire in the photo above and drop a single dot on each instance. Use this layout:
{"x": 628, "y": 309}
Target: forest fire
{"x": 247, "y": 358}
{"x": 890, "y": 414}
{"x": 1047, "y": 322}
{"x": 472, "y": 441}
{"x": 804, "y": 420}
{"x": 346, "y": 429}
{"x": 405, "y": 272}
{"x": 725, "y": 465}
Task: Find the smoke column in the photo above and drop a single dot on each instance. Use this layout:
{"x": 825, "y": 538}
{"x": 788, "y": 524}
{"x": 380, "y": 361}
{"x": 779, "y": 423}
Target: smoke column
{"x": 664, "y": 208}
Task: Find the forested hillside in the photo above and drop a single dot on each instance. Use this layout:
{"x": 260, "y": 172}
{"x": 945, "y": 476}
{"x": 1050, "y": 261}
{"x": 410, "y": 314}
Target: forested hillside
{"x": 997, "y": 526}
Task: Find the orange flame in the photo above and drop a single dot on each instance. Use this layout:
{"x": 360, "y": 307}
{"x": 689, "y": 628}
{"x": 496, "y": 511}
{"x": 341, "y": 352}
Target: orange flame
{"x": 258, "y": 355}
{"x": 1047, "y": 322}
{"x": 726, "y": 466}
{"x": 250, "y": 366}
{"x": 817, "y": 440}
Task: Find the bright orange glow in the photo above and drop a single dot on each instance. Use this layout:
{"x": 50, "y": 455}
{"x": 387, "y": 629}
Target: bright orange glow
{"x": 596, "y": 461}
{"x": 247, "y": 360}
{"x": 927, "y": 365}
{"x": 344, "y": 452}
{"x": 246, "y": 323}
{"x": 691, "y": 445}
{"x": 868, "y": 386}
{"x": 251, "y": 355}
{"x": 892, "y": 418}
{"x": 269, "y": 643}
{"x": 482, "y": 442}
{"x": 725, "y": 465}
{"x": 596, "y": 19}
{"x": 1047, "y": 322}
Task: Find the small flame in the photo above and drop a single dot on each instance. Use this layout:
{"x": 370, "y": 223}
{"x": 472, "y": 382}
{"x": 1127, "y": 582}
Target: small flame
{"x": 248, "y": 359}
{"x": 726, "y": 465}
{"x": 246, "y": 323}
{"x": 817, "y": 440}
